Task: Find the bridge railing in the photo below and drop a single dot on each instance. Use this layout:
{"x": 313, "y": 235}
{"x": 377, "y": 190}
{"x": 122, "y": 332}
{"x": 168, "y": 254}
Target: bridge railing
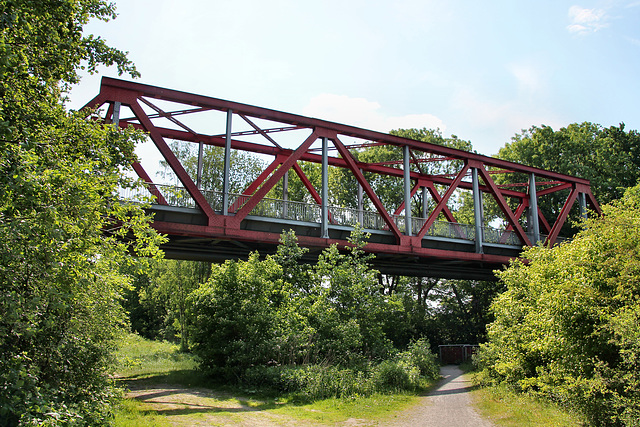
{"x": 311, "y": 212}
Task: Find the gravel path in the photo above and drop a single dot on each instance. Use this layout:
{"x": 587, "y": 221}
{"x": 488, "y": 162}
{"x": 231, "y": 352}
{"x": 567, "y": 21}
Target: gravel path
{"x": 449, "y": 405}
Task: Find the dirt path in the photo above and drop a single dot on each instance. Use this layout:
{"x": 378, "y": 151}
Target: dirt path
{"x": 449, "y": 405}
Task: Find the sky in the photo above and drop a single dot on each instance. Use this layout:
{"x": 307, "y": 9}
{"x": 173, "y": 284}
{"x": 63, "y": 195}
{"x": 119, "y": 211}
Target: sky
{"x": 481, "y": 70}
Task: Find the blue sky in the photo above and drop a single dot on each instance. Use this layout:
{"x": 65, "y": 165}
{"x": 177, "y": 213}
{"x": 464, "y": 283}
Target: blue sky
{"x": 482, "y": 70}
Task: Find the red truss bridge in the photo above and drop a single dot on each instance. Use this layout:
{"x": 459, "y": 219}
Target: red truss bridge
{"x": 418, "y": 235}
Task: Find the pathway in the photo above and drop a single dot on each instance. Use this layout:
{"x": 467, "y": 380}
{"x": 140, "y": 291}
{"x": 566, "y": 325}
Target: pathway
{"x": 449, "y": 405}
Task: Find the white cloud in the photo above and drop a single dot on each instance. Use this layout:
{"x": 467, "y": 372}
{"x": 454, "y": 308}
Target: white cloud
{"x": 584, "y": 21}
{"x": 366, "y": 114}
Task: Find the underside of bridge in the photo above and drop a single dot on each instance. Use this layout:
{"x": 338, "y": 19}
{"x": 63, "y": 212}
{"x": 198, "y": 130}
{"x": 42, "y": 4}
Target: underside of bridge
{"x": 408, "y": 202}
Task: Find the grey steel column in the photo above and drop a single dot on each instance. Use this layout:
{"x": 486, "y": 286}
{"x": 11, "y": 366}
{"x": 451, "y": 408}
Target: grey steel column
{"x": 324, "y": 232}
{"x": 425, "y": 201}
{"x": 477, "y": 210}
{"x": 360, "y": 205}
{"x": 407, "y": 191}
{"x": 200, "y": 157}
{"x": 582, "y": 199}
{"x": 285, "y": 193}
{"x": 533, "y": 210}
{"x": 116, "y": 114}
{"x": 227, "y": 160}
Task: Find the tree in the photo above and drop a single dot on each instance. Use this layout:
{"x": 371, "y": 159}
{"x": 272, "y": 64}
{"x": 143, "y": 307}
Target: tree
{"x": 349, "y": 310}
{"x": 246, "y": 166}
{"x": 608, "y": 157}
{"x": 567, "y": 326}
{"x": 63, "y": 234}
{"x": 171, "y": 282}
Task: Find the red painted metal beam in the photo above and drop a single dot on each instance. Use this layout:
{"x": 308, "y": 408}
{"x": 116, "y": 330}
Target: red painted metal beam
{"x": 226, "y": 233}
{"x": 272, "y": 181}
{"x": 132, "y": 94}
{"x": 502, "y": 204}
{"x": 153, "y": 189}
{"x": 256, "y": 183}
{"x": 355, "y": 170}
{"x": 173, "y": 161}
{"x": 443, "y": 202}
{"x": 311, "y": 123}
{"x": 564, "y": 213}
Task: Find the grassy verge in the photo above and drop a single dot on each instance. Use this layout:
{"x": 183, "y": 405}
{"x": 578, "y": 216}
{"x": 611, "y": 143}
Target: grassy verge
{"x": 506, "y": 408}
{"x": 170, "y": 391}
{"x": 141, "y": 358}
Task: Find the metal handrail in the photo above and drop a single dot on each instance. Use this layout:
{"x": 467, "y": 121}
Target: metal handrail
{"x": 311, "y": 212}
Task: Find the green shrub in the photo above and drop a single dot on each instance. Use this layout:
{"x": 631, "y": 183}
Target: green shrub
{"x": 567, "y": 326}
{"x": 419, "y": 355}
{"x": 396, "y": 375}
{"x": 321, "y": 381}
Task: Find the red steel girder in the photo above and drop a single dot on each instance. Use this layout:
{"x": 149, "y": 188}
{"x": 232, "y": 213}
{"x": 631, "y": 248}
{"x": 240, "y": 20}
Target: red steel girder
{"x": 312, "y": 123}
{"x": 131, "y": 94}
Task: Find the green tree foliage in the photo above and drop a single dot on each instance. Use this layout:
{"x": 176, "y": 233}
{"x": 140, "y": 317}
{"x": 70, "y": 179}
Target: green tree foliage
{"x": 63, "y": 235}
{"x": 608, "y": 157}
{"x": 348, "y": 311}
{"x": 243, "y": 315}
{"x": 171, "y": 282}
{"x": 320, "y": 331}
{"x": 257, "y": 311}
{"x": 567, "y": 326}
{"x": 245, "y": 166}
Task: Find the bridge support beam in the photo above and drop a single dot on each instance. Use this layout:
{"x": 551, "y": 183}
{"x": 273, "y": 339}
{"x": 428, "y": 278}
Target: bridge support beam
{"x": 534, "y": 226}
{"x": 115, "y": 118}
{"x": 582, "y": 200}
{"x": 200, "y": 160}
{"x": 285, "y": 194}
{"x": 360, "y": 205}
{"x": 227, "y": 166}
{"x": 477, "y": 210}
{"x": 407, "y": 191}
{"x": 425, "y": 201}
{"x": 325, "y": 189}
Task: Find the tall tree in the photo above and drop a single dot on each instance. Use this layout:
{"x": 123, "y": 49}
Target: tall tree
{"x": 63, "y": 234}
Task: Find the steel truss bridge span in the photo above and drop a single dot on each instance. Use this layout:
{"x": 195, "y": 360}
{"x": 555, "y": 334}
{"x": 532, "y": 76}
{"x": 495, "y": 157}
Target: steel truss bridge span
{"x": 216, "y": 224}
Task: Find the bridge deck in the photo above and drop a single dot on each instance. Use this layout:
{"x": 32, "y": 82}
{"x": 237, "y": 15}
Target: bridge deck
{"x": 273, "y": 216}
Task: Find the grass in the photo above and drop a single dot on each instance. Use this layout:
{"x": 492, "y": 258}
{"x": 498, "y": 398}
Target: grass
{"x": 506, "y": 408}
{"x": 139, "y": 358}
{"x": 160, "y": 369}
{"x": 365, "y": 409}
{"x": 150, "y": 364}
{"x": 131, "y": 413}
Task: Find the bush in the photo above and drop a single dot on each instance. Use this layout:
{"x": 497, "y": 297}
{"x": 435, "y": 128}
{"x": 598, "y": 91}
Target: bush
{"x": 396, "y": 375}
{"x": 419, "y": 354}
{"x": 320, "y": 381}
{"x": 567, "y": 326}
